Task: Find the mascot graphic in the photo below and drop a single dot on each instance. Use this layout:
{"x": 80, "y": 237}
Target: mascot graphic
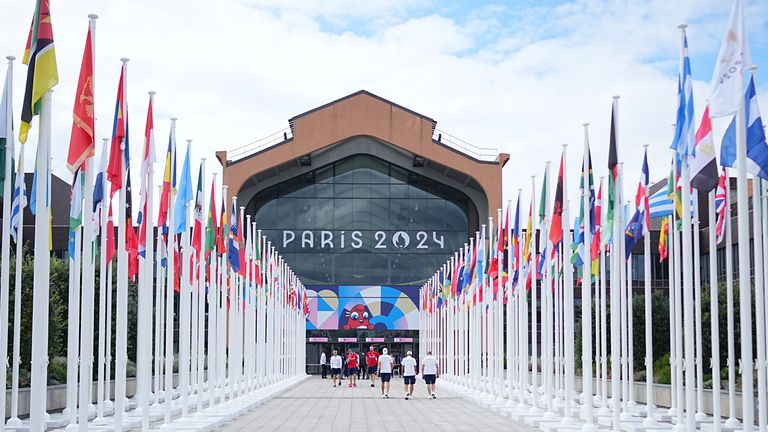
{"x": 358, "y": 318}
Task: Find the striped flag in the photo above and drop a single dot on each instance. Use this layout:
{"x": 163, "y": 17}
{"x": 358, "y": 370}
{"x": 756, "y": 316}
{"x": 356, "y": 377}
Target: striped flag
{"x": 169, "y": 181}
{"x": 75, "y": 211}
{"x": 119, "y": 136}
{"x": 147, "y": 160}
{"x": 98, "y": 189}
{"x": 211, "y": 227}
{"x": 233, "y": 252}
{"x": 197, "y": 229}
{"x": 683, "y": 142}
{"x": 663, "y": 236}
{"x": 42, "y": 74}
{"x": 703, "y": 164}
{"x": 81, "y": 142}
{"x": 757, "y": 148}
{"x": 721, "y": 204}
{"x": 19, "y": 202}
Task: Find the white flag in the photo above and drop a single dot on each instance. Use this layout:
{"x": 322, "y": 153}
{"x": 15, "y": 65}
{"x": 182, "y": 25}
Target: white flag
{"x": 728, "y": 79}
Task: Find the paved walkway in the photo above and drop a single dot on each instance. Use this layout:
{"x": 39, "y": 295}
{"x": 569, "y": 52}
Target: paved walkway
{"x": 315, "y": 406}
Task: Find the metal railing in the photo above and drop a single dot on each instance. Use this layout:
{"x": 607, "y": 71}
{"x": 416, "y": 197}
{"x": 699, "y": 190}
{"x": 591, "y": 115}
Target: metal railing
{"x": 480, "y": 153}
{"x": 260, "y": 144}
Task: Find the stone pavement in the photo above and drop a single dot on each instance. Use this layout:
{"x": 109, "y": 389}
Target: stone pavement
{"x": 315, "y": 406}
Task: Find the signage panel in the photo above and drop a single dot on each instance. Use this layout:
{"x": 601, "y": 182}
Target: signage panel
{"x": 347, "y": 339}
{"x": 403, "y": 339}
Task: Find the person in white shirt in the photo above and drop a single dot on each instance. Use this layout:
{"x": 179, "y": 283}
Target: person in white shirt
{"x": 408, "y": 366}
{"x": 323, "y": 365}
{"x": 336, "y": 368}
{"x": 384, "y": 372}
{"x": 430, "y": 371}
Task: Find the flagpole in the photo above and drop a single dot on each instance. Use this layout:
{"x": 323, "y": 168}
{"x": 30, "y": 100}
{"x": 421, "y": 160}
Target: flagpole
{"x": 586, "y": 290}
{"x": 5, "y": 270}
{"x": 730, "y": 307}
{"x": 714, "y": 313}
{"x": 615, "y": 294}
{"x": 212, "y": 304}
{"x": 567, "y": 302}
{"x": 604, "y": 408}
{"x": 14, "y": 419}
{"x": 201, "y": 298}
{"x": 623, "y": 294}
{"x": 101, "y": 362}
{"x": 184, "y": 300}
{"x": 170, "y": 279}
{"x": 649, "y": 420}
{"x": 158, "y": 285}
{"x": 700, "y": 414}
{"x": 73, "y": 310}
{"x": 547, "y": 303}
{"x": 41, "y": 289}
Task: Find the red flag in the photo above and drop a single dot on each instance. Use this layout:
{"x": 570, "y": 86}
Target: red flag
{"x": 241, "y": 243}
{"x": 110, "y": 235}
{"x": 596, "y": 240}
{"x": 147, "y": 159}
{"x": 81, "y": 142}
{"x": 556, "y": 227}
{"x": 115, "y": 167}
{"x": 131, "y": 241}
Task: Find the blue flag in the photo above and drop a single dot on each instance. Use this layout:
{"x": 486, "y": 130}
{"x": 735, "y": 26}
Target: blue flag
{"x": 684, "y": 142}
{"x": 757, "y": 149}
{"x": 233, "y": 252}
{"x": 183, "y": 196}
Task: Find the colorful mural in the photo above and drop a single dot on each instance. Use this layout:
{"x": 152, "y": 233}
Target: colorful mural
{"x": 363, "y": 307}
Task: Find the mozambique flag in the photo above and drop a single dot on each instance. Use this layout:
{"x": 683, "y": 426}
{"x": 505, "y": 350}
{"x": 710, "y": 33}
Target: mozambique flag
{"x": 42, "y": 74}
{"x": 211, "y": 227}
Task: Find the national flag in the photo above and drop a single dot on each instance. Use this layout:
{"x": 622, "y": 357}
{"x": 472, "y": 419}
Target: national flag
{"x": 19, "y": 202}
{"x": 131, "y": 242}
{"x": 183, "y": 196}
{"x": 613, "y": 173}
{"x": 674, "y": 189}
{"x": 211, "y": 228}
{"x": 233, "y": 252}
{"x": 586, "y": 186}
{"x": 147, "y": 160}
{"x": 704, "y": 165}
{"x": 241, "y": 246}
{"x": 596, "y": 241}
{"x": 169, "y": 181}
{"x": 633, "y": 232}
{"x": 663, "y": 236}
{"x": 683, "y": 143}
{"x": 516, "y": 243}
{"x": 119, "y": 136}
{"x": 660, "y": 205}
{"x": 257, "y": 259}
{"x": 727, "y": 80}
{"x": 641, "y": 197}
{"x": 757, "y": 148}
{"x": 110, "y": 252}
{"x": 721, "y": 204}
{"x": 82, "y": 142}
{"x": 223, "y": 232}
{"x": 556, "y": 226}
{"x": 197, "y": 229}
{"x": 42, "y": 73}
{"x": 75, "y": 211}
{"x": 98, "y": 190}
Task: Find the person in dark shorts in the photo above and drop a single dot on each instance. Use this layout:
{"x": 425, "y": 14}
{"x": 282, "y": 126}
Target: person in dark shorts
{"x": 430, "y": 370}
{"x": 352, "y": 363}
{"x": 336, "y": 368}
{"x": 372, "y": 361}
{"x": 408, "y": 367}
{"x": 384, "y": 371}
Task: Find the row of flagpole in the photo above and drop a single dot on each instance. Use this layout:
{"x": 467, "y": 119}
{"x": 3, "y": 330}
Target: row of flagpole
{"x": 500, "y": 275}
{"x": 240, "y": 309}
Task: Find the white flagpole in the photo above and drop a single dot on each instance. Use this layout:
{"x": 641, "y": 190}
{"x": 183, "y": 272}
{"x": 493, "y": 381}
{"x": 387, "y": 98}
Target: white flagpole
{"x": 604, "y": 409}
{"x": 623, "y": 300}
{"x": 534, "y": 307}
{"x": 14, "y": 420}
{"x": 649, "y": 420}
{"x": 101, "y": 397}
{"x": 714, "y": 314}
{"x": 615, "y": 293}
{"x": 158, "y": 285}
{"x": 73, "y": 317}
{"x": 5, "y": 269}
{"x": 586, "y": 293}
{"x": 40, "y": 298}
{"x": 86, "y": 330}
{"x": 567, "y": 301}
{"x": 700, "y": 414}
{"x": 730, "y": 307}
{"x": 547, "y": 304}
{"x": 213, "y": 302}
{"x": 184, "y": 311}
{"x": 201, "y": 298}
{"x": 170, "y": 279}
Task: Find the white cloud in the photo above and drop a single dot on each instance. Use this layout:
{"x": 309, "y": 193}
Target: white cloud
{"x": 236, "y": 71}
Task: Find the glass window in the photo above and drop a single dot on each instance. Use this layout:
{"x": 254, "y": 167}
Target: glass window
{"x": 363, "y": 221}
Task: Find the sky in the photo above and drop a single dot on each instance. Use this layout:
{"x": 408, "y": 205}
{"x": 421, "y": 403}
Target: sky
{"x": 520, "y": 76}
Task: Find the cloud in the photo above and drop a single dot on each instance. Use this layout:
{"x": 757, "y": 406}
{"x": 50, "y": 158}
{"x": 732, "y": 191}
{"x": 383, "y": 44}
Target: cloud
{"x": 521, "y": 79}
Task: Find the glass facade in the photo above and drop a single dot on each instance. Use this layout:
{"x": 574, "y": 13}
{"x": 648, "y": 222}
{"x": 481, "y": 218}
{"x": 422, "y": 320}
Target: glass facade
{"x": 364, "y": 221}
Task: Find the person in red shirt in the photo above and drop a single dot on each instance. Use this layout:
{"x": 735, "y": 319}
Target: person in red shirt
{"x": 372, "y": 361}
{"x": 352, "y": 365}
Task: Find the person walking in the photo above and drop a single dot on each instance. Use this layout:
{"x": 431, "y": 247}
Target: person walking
{"x": 352, "y": 362}
{"x": 430, "y": 371}
{"x": 372, "y": 361}
{"x": 384, "y": 371}
{"x": 336, "y": 368}
{"x": 323, "y": 366}
{"x": 408, "y": 366}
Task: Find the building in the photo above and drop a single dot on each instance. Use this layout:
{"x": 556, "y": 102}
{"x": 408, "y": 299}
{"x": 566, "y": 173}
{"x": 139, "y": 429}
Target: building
{"x": 365, "y": 199}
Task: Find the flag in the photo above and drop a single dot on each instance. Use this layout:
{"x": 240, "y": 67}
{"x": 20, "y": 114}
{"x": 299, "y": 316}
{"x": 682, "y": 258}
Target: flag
{"x": 663, "y": 236}
{"x": 595, "y": 247}
{"x": 721, "y": 203}
{"x": 757, "y": 148}
{"x": 556, "y": 226}
{"x": 516, "y": 239}
{"x": 727, "y": 80}
{"x": 633, "y": 232}
{"x": 147, "y": 160}
{"x": 18, "y": 203}
{"x": 241, "y": 246}
{"x": 183, "y": 196}
{"x": 169, "y": 181}
{"x": 197, "y": 230}
{"x": 119, "y": 135}
{"x": 75, "y": 211}
{"x": 110, "y": 236}
{"x": 98, "y": 190}
{"x": 704, "y": 165}
{"x": 683, "y": 143}
{"x": 42, "y": 73}
{"x": 233, "y": 253}
{"x": 81, "y": 142}
{"x": 131, "y": 242}
{"x": 223, "y": 232}
{"x": 660, "y": 205}
{"x": 586, "y": 186}
{"x": 613, "y": 173}
{"x": 641, "y": 197}
{"x": 211, "y": 227}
